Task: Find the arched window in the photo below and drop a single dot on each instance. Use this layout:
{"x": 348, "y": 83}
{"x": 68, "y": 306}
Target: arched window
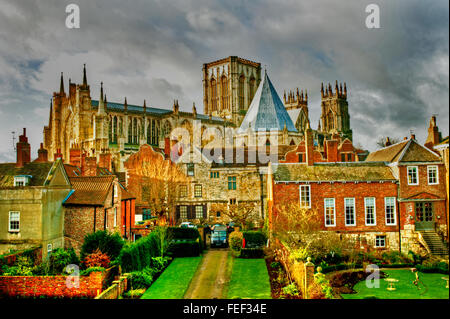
{"x": 130, "y": 131}
{"x": 135, "y": 131}
{"x": 241, "y": 92}
{"x": 224, "y": 93}
{"x": 252, "y": 90}
{"x": 110, "y": 131}
{"x": 149, "y": 133}
{"x": 153, "y": 132}
{"x": 214, "y": 94}
{"x": 115, "y": 129}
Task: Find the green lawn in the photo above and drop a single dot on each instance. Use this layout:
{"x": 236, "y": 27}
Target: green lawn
{"x": 249, "y": 279}
{"x": 435, "y": 287}
{"x": 174, "y": 281}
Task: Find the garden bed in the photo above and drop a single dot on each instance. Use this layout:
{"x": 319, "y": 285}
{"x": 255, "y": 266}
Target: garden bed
{"x": 278, "y": 280}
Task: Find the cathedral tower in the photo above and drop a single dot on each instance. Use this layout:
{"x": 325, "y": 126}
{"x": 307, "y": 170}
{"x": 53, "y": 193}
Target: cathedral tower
{"x": 335, "y": 117}
{"x": 229, "y": 86}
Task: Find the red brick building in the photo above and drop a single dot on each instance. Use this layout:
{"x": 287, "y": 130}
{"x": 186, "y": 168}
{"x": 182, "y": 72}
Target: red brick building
{"x": 396, "y": 199}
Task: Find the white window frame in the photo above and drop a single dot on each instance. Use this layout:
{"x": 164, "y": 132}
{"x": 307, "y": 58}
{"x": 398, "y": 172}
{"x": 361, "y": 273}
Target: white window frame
{"x": 115, "y": 216}
{"x": 417, "y": 174}
{"x": 376, "y": 241}
{"x": 20, "y": 179}
{"x": 325, "y": 211}
{"x": 354, "y": 211}
{"x": 116, "y": 190}
{"x": 309, "y": 195}
{"x": 394, "y": 212}
{"x": 374, "y": 211}
{"x": 197, "y": 211}
{"x": 9, "y": 222}
{"x": 436, "y": 168}
{"x": 181, "y": 212}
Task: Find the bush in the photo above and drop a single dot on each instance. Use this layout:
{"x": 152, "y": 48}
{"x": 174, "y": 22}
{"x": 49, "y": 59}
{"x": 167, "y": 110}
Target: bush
{"x": 22, "y": 267}
{"x": 183, "y": 233}
{"x": 109, "y": 244}
{"x": 96, "y": 259}
{"x": 235, "y": 241}
{"x": 160, "y": 263}
{"x": 138, "y": 255}
{"x": 254, "y": 239}
{"x": 60, "y": 258}
{"x": 142, "y": 279}
{"x": 134, "y": 293}
{"x": 251, "y": 253}
{"x": 290, "y": 290}
{"x": 88, "y": 271}
{"x": 433, "y": 267}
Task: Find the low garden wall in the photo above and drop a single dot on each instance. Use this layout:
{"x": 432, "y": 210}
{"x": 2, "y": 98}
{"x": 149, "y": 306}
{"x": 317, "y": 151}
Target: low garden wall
{"x": 51, "y": 286}
{"x": 116, "y": 290}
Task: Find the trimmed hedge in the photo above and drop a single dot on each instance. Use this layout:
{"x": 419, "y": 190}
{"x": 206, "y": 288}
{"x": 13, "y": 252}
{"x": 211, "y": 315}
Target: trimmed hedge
{"x": 185, "y": 248}
{"x": 183, "y": 233}
{"x": 440, "y": 268}
{"x": 137, "y": 256}
{"x": 254, "y": 239}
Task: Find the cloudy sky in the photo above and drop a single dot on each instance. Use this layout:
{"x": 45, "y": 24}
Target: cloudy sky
{"x": 397, "y": 76}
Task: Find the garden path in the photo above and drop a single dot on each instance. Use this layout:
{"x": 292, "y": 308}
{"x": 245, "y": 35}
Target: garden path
{"x": 211, "y": 277}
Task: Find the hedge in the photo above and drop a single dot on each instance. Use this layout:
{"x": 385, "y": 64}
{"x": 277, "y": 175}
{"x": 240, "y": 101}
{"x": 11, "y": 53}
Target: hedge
{"x": 183, "y": 233}
{"x": 254, "y": 239}
{"x": 185, "y": 248}
{"x": 137, "y": 256}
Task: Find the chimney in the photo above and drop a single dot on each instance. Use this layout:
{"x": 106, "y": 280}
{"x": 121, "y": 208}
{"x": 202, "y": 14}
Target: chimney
{"x": 413, "y": 136}
{"x": 388, "y": 142}
{"x": 57, "y": 155}
{"x": 90, "y": 166}
{"x": 332, "y": 150}
{"x": 23, "y": 150}
{"x": 105, "y": 161}
{"x": 309, "y": 146}
{"x": 75, "y": 156}
{"x": 42, "y": 155}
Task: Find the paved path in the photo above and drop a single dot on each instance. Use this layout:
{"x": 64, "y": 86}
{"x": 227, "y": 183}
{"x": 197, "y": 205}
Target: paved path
{"x": 212, "y": 276}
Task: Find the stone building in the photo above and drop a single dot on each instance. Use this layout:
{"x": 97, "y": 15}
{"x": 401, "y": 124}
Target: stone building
{"x": 31, "y": 196}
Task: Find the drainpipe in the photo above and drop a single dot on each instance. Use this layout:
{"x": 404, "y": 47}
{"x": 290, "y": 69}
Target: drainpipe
{"x": 399, "y": 220}
{"x": 95, "y": 216}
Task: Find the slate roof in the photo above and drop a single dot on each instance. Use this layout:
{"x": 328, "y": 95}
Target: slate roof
{"x": 348, "y": 172}
{"x": 267, "y": 111}
{"x": 89, "y": 190}
{"x": 38, "y": 171}
{"x": 405, "y": 151}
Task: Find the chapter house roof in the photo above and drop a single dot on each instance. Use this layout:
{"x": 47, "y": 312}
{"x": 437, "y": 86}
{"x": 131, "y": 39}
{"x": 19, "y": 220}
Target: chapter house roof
{"x": 267, "y": 111}
{"x": 337, "y": 172}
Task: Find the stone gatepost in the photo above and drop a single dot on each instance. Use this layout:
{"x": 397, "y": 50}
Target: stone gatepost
{"x": 309, "y": 276}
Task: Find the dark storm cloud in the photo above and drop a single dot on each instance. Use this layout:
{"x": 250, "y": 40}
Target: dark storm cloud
{"x": 397, "y": 75}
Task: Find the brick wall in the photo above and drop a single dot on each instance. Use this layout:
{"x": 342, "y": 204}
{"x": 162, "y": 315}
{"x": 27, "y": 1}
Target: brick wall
{"x": 50, "y": 286}
{"x": 289, "y": 193}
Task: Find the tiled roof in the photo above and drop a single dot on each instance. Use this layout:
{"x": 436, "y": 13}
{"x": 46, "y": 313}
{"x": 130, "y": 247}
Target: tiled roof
{"x": 266, "y": 112}
{"x": 348, "y": 172}
{"x": 405, "y": 151}
{"x": 89, "y": 190}
{"x": 38, "y": 171}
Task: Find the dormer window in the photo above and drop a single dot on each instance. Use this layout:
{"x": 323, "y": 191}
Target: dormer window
{"x": 21, "y": 180}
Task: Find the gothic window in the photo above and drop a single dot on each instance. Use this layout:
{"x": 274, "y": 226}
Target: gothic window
{"x": 214, "y": 94}
{"x": 224, "y": 93}
{"x": 135, "y": 131}
{"x": 241, "y": 92}
{"x": 167, "y": 129}
{"x": 153, "y": 132}
{"x": 110, "y": 131}
{"x": 252, "y": 90}
{"x": 120, "y": 127}
{"x": 115, "y": 129}
{"x": 130, "y": 131}
{"x": 149, "y": 133}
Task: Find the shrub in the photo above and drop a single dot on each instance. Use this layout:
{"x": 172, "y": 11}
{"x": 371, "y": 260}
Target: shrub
{"x": 60, "y": 258}
{"x": 22, "y": 267}
{"x": 108, "y": 243}
{"x": 88, "y": 271}
{"x": 254, "y": 239}
{"x": 142, "y": 279}
{"x": 138, "y": 255}
{"x": 134, "y": 293}
{"x": 324, "y": 284}
{"x": 235, "y": 241}
{"x": 290, "y": 290}
{"x": 160, "y": 263}
{"x": 440, "y": 267}
{"x": 96, "y": 259}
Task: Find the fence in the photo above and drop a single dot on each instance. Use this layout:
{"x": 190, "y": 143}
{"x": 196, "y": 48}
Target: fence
{"x": 116, "y": 290}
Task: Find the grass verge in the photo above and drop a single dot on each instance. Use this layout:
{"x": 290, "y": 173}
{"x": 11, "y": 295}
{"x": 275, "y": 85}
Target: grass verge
{"x": 174, "y": 281}
{"x": 249, "y": 280}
